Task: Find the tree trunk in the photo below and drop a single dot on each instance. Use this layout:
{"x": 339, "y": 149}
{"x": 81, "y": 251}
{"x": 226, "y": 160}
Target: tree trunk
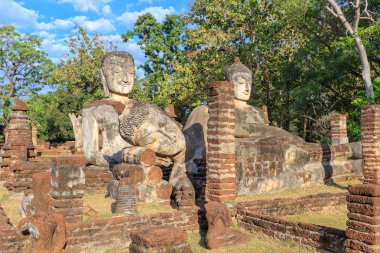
{"x": 366, "y": 72}
{"x": 78, "y": 131}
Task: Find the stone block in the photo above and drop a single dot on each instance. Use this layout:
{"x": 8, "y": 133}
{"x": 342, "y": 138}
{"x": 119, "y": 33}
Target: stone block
{"x": 159, "y": 240}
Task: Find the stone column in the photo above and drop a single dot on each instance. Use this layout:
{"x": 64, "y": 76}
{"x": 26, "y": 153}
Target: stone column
{"x": 338, "y": 129}
{"x": 363, "y": 231}
{"x": 18, "y": 146}
{"x": 19, "y": 133}
{"x": 68, "y": 184}
{"x": 221, "y": 175}
{"x": 34, "y": 135}
{"x": 264, "y": 109}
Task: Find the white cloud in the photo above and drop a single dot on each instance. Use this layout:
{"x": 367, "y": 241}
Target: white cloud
{"x": 45, "y": 26}
{"x": 86, "y": 5}
{"x": 106, "y": 10}
{"x": 158, "y": 12}
{"x": 14, "y": 13}
{"x": 55, "y": 48}
{"x": 100, "y": 26}
{"x": 63, "y": 24}
{"x": 146, "y": 1}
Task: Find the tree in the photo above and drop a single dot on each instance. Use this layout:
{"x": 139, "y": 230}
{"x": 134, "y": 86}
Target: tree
{"x": 78, "y": 70}
{"x": 24, "y": 67}
{"x": 163, "y": 46}
{"x": 352, "y": 30}
{"x": 78, "y": 81}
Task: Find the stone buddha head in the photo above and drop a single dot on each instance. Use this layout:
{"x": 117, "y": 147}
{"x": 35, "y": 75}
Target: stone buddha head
{"x": 117, "y": 71}
{"x": 241, "y": 77}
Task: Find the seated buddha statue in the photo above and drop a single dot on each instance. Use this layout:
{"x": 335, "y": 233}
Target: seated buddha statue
{"x": 121, "y": 130}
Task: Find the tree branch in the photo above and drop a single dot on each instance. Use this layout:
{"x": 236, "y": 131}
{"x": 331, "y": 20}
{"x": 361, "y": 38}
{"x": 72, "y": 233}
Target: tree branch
{"x": 332, "y": 11}
{"x": 339, "y": 14}
{"x": 357, "y": 15}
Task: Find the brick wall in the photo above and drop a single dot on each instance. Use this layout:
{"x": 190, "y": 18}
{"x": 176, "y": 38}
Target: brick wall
{"x": 97, "y": 178}
{"x": 289, "y": 206}
{"x": 10, "y": 240}
{"x": 221, "y": 176}
{"x": 315, "y": 236}
{"x": 265, "y": 216}
{"x": 273, "y": 164}
{"x": 363, "y": 231}
{"x": 114, "y": 232}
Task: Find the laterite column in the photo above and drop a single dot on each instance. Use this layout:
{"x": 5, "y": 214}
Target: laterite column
{"x": 363, "y": 231}
{"x": 338, "y": 129}
{"x": 68, "y": 184}
{"x": 221, "y": 175}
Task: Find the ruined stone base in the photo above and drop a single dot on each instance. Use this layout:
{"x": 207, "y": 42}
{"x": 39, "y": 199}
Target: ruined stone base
{"x": 97, "y": 178}
{"x": 363, "y": 231}
{"x": 159, "y": 240}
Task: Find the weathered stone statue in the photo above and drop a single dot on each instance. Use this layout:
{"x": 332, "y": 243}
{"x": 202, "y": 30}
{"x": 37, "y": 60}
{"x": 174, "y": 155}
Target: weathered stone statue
{"x": 219, "y": 234}
{"x": 249, "y": 120}
{"x": 102, "y": 142}
{"x": 119, "y": 129}
{"x": 268, "y": 158}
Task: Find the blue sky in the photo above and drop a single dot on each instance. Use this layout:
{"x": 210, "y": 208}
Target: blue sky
{"x": 54, "y": 20}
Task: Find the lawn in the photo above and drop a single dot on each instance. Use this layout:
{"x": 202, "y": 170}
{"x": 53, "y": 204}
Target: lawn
{"x": 97, "y": 206}
{"x": 259, "y": 243}
{"x": 335, "y": 217}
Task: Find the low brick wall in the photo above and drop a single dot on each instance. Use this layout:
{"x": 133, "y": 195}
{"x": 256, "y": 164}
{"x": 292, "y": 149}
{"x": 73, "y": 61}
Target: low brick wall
{"x": 114, "y": 232}
{"x": 315, "y": 236}
{"x": 97, "y": 179}
{"x": 264, "y": 216}
{"x": 289, "y": 206}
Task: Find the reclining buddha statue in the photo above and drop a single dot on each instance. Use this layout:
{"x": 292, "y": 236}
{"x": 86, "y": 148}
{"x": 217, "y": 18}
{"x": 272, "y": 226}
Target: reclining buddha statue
{"x": 268, "y": 158}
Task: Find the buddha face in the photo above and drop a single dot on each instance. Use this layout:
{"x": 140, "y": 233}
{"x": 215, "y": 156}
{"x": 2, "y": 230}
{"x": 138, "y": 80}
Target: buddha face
{"x": 118, "y": 74}
{"x": 242, "y": 85}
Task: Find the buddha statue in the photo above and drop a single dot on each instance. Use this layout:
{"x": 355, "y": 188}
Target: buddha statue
{"x": 122, "y": 130}
{"x": 249, "y": 121}
{"x": 268, "y": 158}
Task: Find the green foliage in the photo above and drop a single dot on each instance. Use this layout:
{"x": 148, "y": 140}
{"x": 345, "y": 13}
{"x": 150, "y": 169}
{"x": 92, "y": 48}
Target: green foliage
{"x": 78, "y": 83}
{"x": 163, "y": 45}
{"x": 353, "y": 125}
{"x": 78, "y": 71}
{"x": 24, "y": 67}
{"x": 304, "y": 66}
{"x": 50, "y": 113}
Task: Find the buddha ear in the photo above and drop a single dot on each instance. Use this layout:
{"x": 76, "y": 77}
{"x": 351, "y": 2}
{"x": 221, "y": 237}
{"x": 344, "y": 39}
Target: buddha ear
{"x": 104, "y": 82}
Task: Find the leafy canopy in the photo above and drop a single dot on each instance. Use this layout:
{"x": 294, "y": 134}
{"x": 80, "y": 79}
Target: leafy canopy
{"x": 24, "y": 66}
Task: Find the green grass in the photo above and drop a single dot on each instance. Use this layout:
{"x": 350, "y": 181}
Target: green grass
{"x": 335, "y": 217}
{"x": 96, "y": 206}
{"x": 260, "y": 243}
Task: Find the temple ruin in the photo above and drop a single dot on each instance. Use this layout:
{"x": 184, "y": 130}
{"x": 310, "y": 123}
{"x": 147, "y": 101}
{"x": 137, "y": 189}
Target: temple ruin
{"x": 139, "y": 154}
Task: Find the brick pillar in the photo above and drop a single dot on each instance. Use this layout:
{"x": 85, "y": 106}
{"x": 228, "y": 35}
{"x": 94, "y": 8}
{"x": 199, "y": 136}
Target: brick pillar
{"x": 363, "y": 231}
{"x": 221, "y": 175}
{"x": 264, "y": 109}
{"x": 338, "y": 129}
{"x": 68, "y": 184}
{"x": 34, "y": 135}
{"x": 18, "y": 145}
